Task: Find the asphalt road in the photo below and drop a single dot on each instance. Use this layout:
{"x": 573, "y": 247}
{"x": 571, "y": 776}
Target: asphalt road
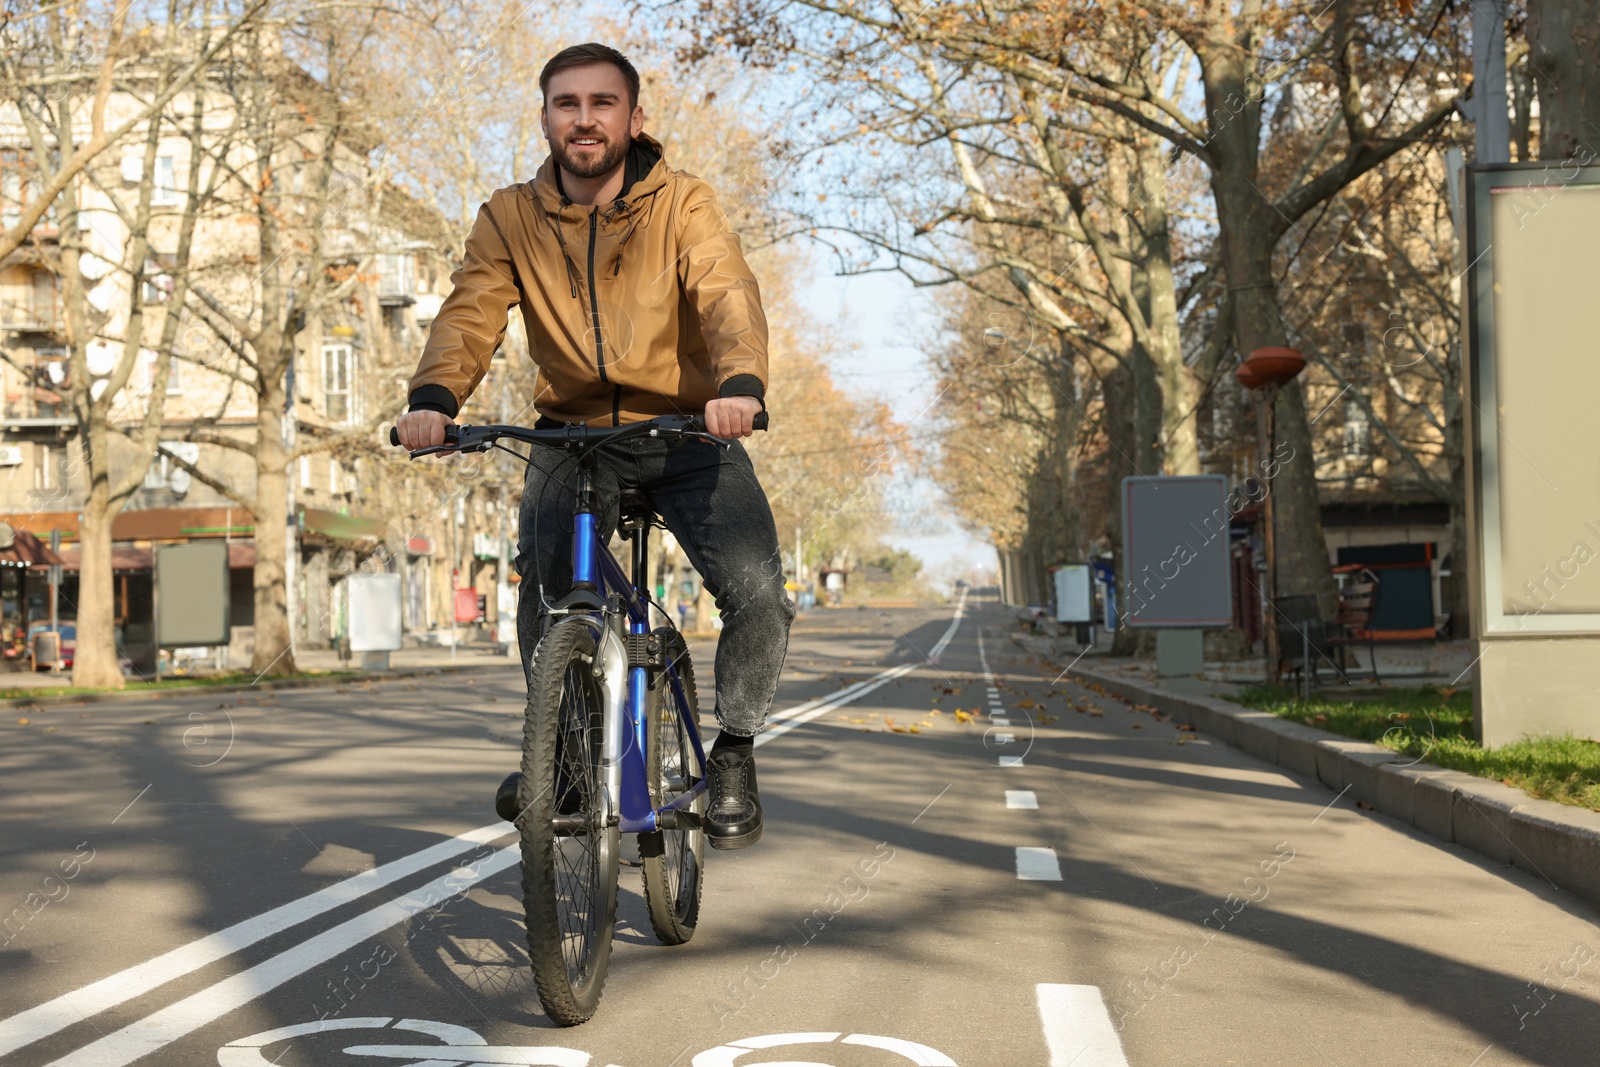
{"x": 314, "y": 878}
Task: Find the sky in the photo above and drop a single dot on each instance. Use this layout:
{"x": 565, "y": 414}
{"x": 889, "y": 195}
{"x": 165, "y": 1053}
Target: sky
{"x": 885, "y": 314}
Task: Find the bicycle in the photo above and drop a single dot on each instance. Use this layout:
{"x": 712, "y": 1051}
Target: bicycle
{"x": 611, "y": 738}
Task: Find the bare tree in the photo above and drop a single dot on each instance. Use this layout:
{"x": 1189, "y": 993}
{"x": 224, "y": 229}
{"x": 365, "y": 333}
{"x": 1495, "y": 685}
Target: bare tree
{"x": 56, "y": 51}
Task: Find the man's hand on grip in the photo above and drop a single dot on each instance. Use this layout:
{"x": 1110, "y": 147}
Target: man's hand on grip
{"x": 421, "y": 429}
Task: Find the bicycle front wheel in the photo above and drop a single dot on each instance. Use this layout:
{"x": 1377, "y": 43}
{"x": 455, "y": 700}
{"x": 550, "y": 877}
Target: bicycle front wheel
{"x": 569, "y": 857}
{"x": 673, "y": 860}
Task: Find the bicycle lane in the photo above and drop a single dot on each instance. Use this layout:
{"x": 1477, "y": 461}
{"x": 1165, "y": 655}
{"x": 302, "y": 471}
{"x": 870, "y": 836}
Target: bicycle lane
{"x": 324, "y": 975}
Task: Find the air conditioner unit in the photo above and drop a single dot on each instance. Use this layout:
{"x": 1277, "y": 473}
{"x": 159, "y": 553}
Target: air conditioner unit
{"x": 10, "y": 455}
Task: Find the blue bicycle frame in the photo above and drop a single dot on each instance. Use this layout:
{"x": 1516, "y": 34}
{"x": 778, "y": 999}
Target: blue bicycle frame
{"x": 595, "y": 572}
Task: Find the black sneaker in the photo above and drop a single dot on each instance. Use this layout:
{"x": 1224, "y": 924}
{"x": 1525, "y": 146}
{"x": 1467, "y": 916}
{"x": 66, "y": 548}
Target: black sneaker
{"x": 733, "y": 818}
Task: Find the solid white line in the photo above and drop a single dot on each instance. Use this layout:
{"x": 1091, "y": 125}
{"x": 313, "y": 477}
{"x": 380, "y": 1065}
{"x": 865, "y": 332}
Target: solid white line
{"x": 155, "y": 1032}
{"x": 169, "y": 1024}
{"x": 1038, "y": 864}
{"x": 1022, "y": 798}
{"x": 955, "y": 624}
{"x": 803, "y": 713}
{"x": 1078, "y": 1028}
{"x": 48, "y": 1018}
{"x": 838, "y": 700}
{"x": 1010, "y": 761}
{"x": 1000, "y": 720}
{"x": 1004, "y": 738}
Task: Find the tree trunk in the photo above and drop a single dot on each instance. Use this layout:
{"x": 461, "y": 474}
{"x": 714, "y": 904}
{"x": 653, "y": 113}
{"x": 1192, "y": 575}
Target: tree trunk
{"x": 273, "y": 652}
{"x": 1180, "y": 391}
{"x": 95, "y": 663}
{"x": 1249, "y": 227}
{"x": 1564, "y": 48}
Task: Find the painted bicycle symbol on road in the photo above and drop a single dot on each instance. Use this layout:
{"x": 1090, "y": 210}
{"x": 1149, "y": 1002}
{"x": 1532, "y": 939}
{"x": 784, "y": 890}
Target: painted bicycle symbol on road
{"x": 457, "y": 1046}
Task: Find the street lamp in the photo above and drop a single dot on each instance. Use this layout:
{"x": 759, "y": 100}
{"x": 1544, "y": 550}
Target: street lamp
{"x": 1263, "y": 372}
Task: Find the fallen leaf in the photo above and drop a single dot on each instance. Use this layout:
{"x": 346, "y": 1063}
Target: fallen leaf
{"x": 1137, "y": 725}
{"x": 962, "y": 716}
{"x": 1023, "y": 704}
{"x": 1096, "y": 712}
{"x": 1186, "y": 727}
{"x": 1363, "y": 804}
{"x": 23, "y": 722}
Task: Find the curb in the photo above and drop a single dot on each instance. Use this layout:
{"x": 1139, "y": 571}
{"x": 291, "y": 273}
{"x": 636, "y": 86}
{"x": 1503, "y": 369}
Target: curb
{"x": 107, "y": 695}
{"x": 1556, "y": 842}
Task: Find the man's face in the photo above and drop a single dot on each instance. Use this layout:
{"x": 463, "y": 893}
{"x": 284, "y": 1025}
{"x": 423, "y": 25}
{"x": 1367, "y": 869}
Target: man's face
{"x": 587, "y": 119}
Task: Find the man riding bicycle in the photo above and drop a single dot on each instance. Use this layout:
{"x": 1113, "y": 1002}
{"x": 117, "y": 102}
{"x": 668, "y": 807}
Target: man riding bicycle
{"x": 638, "y": 303}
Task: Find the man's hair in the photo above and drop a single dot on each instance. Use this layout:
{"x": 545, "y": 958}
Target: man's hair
{"x": 582, "y": 55}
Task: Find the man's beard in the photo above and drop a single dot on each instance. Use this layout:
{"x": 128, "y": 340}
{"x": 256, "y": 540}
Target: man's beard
{"x": 611, "y": 155}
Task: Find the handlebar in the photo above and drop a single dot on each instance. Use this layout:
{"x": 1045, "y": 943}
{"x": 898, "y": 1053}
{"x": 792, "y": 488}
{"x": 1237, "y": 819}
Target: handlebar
{"x": 574, "y": 435}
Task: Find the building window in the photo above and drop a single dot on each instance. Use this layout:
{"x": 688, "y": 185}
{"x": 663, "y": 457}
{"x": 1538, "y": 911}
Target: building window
{"x": 45, "y": 477}
{"x": 13, "y": 188}
{"x": 166, "y": 184}
{"x": 152, "y": 363}
{"x": 336, "y": 382}
{"x": 165, "y": 473}
{"x": 1357, "y": 432}
{"x": 157, "y": 283}
{"x": 305, "y": 472}
{"x": 17, "y": 188}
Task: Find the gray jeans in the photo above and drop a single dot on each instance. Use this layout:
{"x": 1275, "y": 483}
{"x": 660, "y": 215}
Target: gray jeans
{"x": 712, "y": 503}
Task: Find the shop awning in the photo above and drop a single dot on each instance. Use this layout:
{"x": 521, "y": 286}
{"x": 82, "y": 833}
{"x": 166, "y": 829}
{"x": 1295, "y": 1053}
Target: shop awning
{"x": 338, "y": 526}
{"x": 133, "y": 558}
{"x": 27, "y": 550}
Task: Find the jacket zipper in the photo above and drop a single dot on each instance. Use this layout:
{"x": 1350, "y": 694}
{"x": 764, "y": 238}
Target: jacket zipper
{"x": 594, "y": 299}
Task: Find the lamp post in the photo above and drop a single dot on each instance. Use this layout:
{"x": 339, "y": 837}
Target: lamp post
{"x": 1263, "y": 373}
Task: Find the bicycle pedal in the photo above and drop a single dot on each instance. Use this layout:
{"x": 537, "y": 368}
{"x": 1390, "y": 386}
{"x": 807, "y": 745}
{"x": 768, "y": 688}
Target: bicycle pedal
{"x": 679, "y": 820}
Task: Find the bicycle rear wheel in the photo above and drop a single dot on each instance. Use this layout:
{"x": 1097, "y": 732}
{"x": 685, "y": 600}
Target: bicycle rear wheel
{"x": 569, "y": 858}
{"x": 673, "y": 860}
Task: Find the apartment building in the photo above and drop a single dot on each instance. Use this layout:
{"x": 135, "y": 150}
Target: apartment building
{"x": 353, "y": 506}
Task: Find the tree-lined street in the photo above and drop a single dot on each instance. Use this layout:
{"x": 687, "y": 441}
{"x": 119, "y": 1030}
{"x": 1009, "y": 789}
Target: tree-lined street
{"x": 327, "y": 854}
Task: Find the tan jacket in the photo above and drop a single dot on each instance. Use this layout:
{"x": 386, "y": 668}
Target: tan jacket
{"x": 641, "y": 308}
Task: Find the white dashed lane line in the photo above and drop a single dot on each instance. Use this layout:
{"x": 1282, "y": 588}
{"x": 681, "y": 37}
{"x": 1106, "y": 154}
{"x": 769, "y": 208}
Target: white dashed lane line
{"x": 1038, "y": 864}
{"x": 1078, "y": 1028}
{"x": 1022, "y": 798}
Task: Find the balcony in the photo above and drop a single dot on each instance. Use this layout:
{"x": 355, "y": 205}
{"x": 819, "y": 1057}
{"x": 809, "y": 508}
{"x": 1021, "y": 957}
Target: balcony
{"x": 397, "y": 279}
{"x": 28, "y": 301}
{"x": 39, "y": 398}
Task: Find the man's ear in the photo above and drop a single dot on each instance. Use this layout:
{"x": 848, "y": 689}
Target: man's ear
{"x": 544, "y": 122}
{"x": 636, "y": 123}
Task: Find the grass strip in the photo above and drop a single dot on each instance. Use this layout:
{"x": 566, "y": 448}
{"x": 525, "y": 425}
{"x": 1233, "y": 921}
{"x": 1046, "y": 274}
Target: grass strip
{"x": 1435, "y": 724}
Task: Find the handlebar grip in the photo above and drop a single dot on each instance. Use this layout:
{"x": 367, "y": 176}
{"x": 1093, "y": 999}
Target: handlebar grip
{"x": 760, "y": 421}
{"x": 450, "y": 435}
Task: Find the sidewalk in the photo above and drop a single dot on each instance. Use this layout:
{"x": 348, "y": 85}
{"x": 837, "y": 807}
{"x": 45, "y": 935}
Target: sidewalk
{"x": 1423, "y": 663}
{"x": 1557, "y": 842}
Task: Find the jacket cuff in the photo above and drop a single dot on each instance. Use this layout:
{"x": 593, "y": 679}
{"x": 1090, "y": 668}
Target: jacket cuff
{"x": 435, "y": 398}
{"x": 738, "y": 385}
